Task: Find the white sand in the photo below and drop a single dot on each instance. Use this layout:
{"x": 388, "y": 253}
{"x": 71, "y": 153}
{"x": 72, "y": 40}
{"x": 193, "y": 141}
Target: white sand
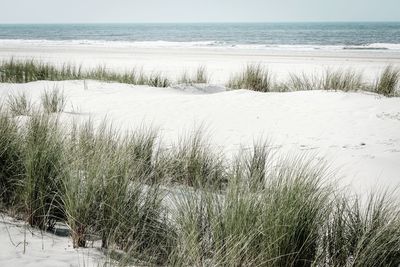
{"x": 358, "y": 133}
{"x": 41, "y": 249}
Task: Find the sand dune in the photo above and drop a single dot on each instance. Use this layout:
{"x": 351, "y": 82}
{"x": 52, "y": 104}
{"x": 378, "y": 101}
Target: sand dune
{"x": 357, "y": 133}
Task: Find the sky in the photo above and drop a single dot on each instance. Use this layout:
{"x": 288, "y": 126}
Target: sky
{"x": 145, "y": 11}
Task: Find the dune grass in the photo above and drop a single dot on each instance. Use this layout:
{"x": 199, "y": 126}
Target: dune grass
{"x": 362, "y": 231}
{"x": 343, "y": 80}
{"x": 23, "y": 71}
{"x": 200, "y": 76}
{"x": 43, "y": 163}
{"x": 338, "y": 80}
{"x": 256, "y": 77}
{"x": 388, "y": 82}
{"x": 53, "y": 101}
{"x": 192, "y": 162}
{"x": 187, "y": 204}
{"x": 277, "y": 224}
{"x": 19, "y": 104}
{"x": 10, "y": 159}
{"x": 253, "y": 77}
{"x": 302, "y": 82}
{"x": 106, "y": 194}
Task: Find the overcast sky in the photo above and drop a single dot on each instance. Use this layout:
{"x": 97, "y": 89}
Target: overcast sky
{"x": 70, "y": 11}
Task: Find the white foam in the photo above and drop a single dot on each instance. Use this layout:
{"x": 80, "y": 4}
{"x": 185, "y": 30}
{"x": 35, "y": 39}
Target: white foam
{"x": 197, "y": 44}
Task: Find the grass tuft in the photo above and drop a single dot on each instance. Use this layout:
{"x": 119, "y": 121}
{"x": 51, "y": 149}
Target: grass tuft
{"x": 43, "y": 161}
{"x": 254, "y": 77}
{"x": 23, "y": 71}
{"x": 303, "y": 82}
{"x": 362, "y": 232}
{"x": 11, "y": 168}
{"x": 106, "y": 195}
{"x": 388, "y": 82}
{"x": 53, "y": 101}
{"x": 192, "y": 162}
{"x": 347, "y": 80}
{"x": 200, "y": 76}
{"x": 19, "y": 105}
{"x": 276, "y": 225}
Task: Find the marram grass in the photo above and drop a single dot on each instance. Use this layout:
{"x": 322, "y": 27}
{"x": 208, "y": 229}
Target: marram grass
{"x": 18, "y": 71}
{"x": 187, "y": 205}
{"x": 254, "y": 77}
{"x": 19, "y": 104}
{"x": 53, "y": 101}
{"x": 200, "y": 76}
{"x": 388, "y": 82}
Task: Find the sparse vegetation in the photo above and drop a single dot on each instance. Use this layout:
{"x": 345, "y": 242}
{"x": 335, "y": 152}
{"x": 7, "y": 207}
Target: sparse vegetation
{"x": 53, "y": 101}
{"x": 192, "y": 162}
{"x": 19, "y": 104}
{"x": 362, "y": 231}
{"x": 254, "y": 77}
{"x": 200, "y": 76}
{"x": 43, "y": 163}
{"x": 303, "y": 82}
{"x": 11, "y": 166}
{"x": 13, "y": 71}
{"x": 276, "y": 224}
{"x": 347, "y": 80}
{"x": 388, "y": 82}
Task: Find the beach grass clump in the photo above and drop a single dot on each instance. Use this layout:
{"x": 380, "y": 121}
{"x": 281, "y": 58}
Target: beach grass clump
{"x": 101, "y": 73}
{"x": 141, "y": 147}
{"x": 23, "y": 71}
{"x": 297, "y": 197}
{"x": 254, "y": 165}
{"x": 362, "y": 231}
{"x": 276, "y": 225}
{"x": 43, "y": 170}
{"x": 53, "y": 101}
{"x": 82, "y": 194}
{"x": 200, "y": 76}
{"x": 16, "y": 71}
{"x": 19, "y": 104}
{"x": 303, "y": 82}
{"x": 106, "y": 194}
{"x": 388, "y": 81}
{"x": 254, "y": 77}
{"x": 187, "y": 205}
{"x": 158, "y": 80}
{"x": 11, "y": 168}
{"x": 343, "y": 80}
{"x": 192, "y": 162}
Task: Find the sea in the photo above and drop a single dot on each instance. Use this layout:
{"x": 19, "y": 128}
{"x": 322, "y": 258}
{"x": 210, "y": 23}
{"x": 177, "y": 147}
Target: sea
{"x": 291, "y": 36}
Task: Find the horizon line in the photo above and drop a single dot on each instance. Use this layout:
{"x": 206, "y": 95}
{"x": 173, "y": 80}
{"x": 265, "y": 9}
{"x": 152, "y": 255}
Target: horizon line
{"x": 204, "y": 22}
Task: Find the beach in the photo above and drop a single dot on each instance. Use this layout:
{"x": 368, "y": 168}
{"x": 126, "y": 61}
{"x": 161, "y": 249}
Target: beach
{"x": 352, "y": 134}
{"x": 332, "y": 124}
{"x": 221, "y": 62}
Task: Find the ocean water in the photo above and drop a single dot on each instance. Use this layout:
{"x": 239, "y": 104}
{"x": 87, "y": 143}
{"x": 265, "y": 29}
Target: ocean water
{"x": 369, "y": 35}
